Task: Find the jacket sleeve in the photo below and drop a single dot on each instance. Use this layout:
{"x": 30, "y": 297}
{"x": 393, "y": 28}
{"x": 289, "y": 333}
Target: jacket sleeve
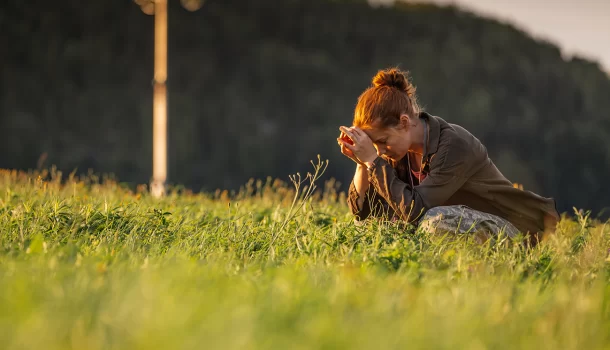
{"x": 373, "y": 204}
{"x": 449, "y": 170}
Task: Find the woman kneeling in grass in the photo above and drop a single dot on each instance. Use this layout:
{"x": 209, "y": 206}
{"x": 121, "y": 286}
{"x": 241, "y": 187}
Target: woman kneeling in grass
{"x": 418, "y": 168}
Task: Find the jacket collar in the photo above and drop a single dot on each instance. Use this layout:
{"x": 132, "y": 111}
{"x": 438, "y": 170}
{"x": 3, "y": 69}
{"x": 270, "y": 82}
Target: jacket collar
{"x": 434, "y": 133}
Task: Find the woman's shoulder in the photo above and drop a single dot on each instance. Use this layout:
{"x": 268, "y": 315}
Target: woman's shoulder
{"x": 456, "y": 145}
{"x": 456, "y": 135}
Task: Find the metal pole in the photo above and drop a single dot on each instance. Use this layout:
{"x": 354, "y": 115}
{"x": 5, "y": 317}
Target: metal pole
{"x": 160, "y": 101}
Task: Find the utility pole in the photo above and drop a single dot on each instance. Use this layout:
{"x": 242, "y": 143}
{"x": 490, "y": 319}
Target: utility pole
{"x": 159, "y": 9}
{"x": 157, "y": 186}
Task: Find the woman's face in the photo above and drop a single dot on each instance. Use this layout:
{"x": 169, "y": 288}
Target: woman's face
{"x": 391, "y": 142}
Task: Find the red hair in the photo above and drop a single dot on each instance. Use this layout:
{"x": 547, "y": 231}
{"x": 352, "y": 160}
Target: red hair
{"x": 391, "y": 95}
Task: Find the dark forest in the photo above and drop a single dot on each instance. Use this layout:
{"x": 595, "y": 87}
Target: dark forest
{"x": 257, "y": 89}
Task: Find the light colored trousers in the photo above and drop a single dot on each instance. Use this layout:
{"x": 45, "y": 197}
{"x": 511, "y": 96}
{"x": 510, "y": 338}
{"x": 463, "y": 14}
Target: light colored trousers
{"x": 460, "y": 219}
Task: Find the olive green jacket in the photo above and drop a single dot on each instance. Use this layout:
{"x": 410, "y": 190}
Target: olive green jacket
{"x": 458, "y": 171}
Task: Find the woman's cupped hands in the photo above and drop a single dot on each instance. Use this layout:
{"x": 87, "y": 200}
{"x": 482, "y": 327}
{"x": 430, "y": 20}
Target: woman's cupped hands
{"x": 356, "y": 145}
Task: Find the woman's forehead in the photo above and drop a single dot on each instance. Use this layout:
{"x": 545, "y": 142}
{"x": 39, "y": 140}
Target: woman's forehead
{"x": 375, "y": 133}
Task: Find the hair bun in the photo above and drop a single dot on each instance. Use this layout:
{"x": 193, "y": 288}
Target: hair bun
{"x": 395, "y": 78}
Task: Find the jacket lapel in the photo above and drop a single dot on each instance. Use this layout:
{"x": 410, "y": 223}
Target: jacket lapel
{"x": 433, "y": 139}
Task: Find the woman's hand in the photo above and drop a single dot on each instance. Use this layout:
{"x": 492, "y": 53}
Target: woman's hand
{"x": 344, "y": 139}
{"x": 362, "y": 148}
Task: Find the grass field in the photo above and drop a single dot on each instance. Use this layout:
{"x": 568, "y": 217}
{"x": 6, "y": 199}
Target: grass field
{"x": 89, "y": 264}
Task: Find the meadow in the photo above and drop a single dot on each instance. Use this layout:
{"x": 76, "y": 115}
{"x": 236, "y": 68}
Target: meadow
{"x": 87, "y": 263}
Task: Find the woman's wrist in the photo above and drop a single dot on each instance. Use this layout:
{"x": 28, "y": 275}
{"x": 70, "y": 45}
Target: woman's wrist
{"x": 369, "y": 164}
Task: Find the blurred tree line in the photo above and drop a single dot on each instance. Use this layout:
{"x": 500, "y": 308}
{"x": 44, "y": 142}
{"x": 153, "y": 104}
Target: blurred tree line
{"x": 259, "y": 88}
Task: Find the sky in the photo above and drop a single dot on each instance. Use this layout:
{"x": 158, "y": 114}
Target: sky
{"x": 580, "y": 27}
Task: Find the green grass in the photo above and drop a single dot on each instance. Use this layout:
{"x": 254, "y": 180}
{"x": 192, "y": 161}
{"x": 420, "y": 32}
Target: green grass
{"x": 89, "y": 264}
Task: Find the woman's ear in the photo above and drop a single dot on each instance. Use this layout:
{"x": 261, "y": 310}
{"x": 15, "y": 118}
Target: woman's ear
{"x": 405, "y": 121}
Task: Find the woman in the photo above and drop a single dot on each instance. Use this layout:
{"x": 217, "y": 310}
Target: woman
{"x": 416, "y": 167}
